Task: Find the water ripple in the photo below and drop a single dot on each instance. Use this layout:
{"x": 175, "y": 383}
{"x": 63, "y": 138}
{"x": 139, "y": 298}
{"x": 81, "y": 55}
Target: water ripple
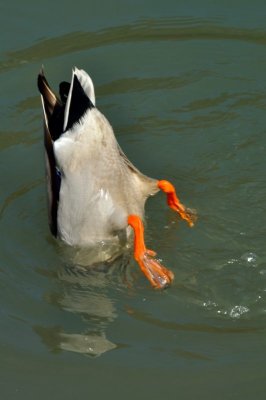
{"x": 167, "y": 29}
{"x": 145, "y": 317}
{"x": 18, "y": 193}
{"x": 134, "y": 84}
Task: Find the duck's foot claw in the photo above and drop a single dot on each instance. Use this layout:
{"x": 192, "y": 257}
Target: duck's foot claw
{"x": 187, "y": 214}
{"x": 174, "y": 202}
{"x": 159, "y": 276}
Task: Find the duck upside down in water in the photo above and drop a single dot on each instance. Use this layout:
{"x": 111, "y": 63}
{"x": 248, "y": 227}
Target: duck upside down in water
{"x": 95, "y": 193}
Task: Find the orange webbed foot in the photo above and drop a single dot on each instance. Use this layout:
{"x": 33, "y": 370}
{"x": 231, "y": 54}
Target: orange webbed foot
{"x": 174, "y": 202}
{"x": 159, "y": 276}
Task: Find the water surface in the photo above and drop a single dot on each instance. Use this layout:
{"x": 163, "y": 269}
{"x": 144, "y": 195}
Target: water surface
{"x": 184, "y": 88}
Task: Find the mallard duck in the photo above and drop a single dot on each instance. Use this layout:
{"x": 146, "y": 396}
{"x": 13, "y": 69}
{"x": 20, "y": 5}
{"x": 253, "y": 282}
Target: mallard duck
{"x": 95, "y": 194}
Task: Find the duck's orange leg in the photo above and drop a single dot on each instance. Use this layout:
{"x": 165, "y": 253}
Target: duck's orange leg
{"x": 174, "y": 202}
{"x": 159, "y": 276}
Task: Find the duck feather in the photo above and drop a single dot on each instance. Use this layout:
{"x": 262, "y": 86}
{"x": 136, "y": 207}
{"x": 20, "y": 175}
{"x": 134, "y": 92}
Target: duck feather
{"x": 92, "y": 186}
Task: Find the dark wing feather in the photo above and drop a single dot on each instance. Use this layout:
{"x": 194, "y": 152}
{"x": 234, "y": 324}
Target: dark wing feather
{"x": 53, "y": 109}
{"x": 53, "y": 181}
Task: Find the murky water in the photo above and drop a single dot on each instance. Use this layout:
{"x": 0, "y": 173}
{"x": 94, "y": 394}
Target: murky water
{"x": 183, "y": 84}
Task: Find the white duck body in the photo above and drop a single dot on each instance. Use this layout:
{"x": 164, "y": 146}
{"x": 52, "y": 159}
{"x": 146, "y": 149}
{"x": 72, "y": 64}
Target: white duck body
{"x": 99, "y": 186}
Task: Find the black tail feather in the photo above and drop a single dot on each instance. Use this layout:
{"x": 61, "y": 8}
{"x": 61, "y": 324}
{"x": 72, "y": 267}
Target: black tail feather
{"x": 79, "y": 104}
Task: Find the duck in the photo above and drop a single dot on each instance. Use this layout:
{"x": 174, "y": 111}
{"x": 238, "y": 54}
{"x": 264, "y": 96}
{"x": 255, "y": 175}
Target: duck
{"x": 95, "y": 194}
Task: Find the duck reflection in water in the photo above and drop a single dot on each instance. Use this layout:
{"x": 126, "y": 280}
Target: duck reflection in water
{"x": 87, "y": 293}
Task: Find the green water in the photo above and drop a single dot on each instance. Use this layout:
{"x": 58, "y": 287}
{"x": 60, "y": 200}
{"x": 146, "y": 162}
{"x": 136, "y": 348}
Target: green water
{"x": 183, "y": 84}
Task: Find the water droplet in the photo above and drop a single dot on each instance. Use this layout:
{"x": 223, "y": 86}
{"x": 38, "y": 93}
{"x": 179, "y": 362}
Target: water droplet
{"x": 220, "y": 312}
{"x": 209, "y": 304}
{"x": 250, "y": 259}
{"x": 237, "y": 311}
{"x": 232, "y": 261}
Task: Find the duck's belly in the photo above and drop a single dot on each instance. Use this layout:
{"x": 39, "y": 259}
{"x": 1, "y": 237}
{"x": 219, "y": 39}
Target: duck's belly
{"x": 88, "y": 214}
